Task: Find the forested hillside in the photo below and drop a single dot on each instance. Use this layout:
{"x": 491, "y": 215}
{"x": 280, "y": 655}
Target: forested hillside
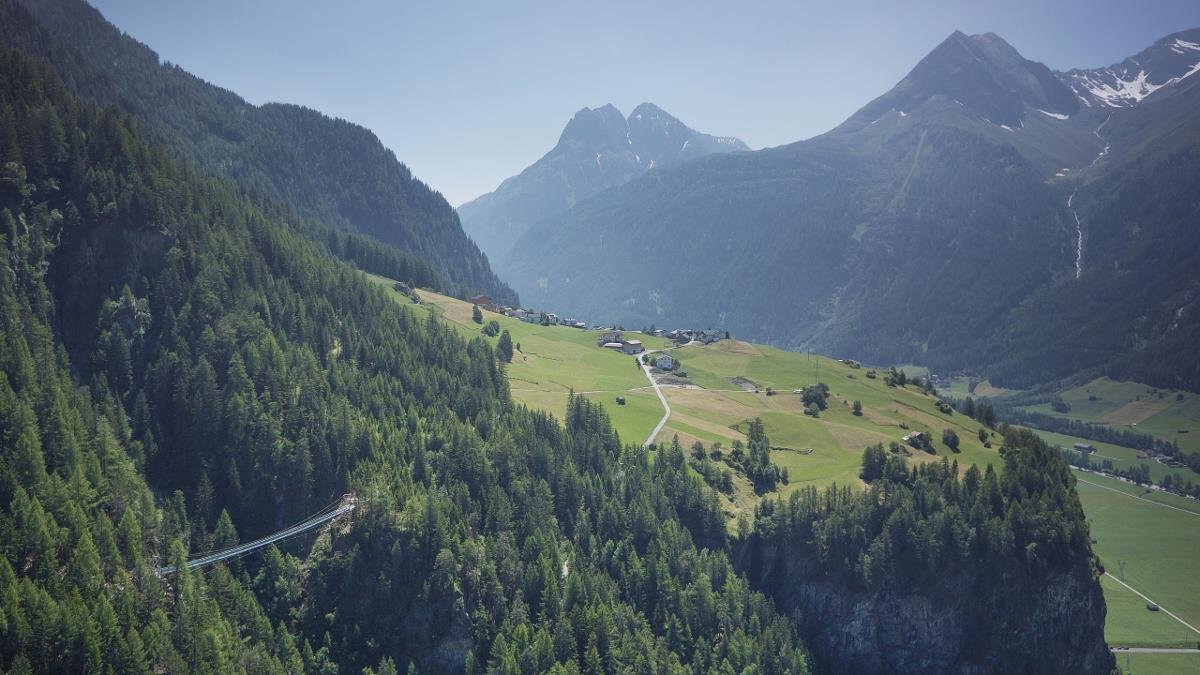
{"x": 863, "y": 567}
{"x": 327, "y": 169}
{"x": 181, "y": 368}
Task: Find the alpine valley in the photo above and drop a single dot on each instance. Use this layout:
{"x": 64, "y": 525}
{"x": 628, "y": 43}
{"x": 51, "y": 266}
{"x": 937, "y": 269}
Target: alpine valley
{"x": 985, "y": 215}
{"x": 268, "y": 404}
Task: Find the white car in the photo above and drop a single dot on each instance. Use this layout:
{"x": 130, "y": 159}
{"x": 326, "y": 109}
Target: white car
{"x": 798, "y": 391}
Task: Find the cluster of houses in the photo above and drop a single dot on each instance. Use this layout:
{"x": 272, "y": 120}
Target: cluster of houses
{"x": 680, "y": 335}
{"x": 688, "y": 335}
{"x": 616, "y": 341}
{"x": 1166, "y": 460}
{"x": 526, "y": 315}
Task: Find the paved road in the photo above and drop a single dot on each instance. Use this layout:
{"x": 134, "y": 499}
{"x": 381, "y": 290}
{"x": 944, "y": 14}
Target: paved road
{"x": 1153, "y": 650}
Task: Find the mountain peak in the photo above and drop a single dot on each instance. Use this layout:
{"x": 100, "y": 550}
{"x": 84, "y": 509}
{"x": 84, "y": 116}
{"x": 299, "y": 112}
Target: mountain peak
{"x": 983, "y": 73}
{"x": 595, "y": 126}
{"x": 598, "y": 149}
{"x": 647, "y": 109}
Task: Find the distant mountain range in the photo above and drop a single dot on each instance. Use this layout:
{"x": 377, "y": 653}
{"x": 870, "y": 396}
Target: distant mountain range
{"x": 986, "y": 214}
{"x": 599, "y": 148}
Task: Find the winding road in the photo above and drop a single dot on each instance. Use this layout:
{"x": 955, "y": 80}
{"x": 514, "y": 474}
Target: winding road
{"x": 666, "y": 406}
{"x": 658, "y": 390}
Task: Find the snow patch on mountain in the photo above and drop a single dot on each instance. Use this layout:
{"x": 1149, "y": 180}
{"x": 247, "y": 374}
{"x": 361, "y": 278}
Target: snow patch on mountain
{"x": 1057, "y": 116}
{"x": 1128, "y": 83}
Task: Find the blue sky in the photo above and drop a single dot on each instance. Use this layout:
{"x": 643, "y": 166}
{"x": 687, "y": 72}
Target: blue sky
{"x": 469, "y": 93}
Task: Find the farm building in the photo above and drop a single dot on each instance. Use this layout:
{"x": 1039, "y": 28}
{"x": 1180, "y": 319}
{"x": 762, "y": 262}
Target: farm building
{"x": 633, "y": 347}
{"x": 914, "y": 437}
{"x": 1084, "y": 447}
{"x": 613, "y": 345}
{"x": 484, "y": 302}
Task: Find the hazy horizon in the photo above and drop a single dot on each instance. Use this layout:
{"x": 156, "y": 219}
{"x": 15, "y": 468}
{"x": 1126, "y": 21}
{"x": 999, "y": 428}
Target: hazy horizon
{"x": 486, "y": 106}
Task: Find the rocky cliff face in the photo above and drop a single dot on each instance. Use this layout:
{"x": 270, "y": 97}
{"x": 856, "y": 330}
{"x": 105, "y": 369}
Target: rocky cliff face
{"x": 1017, "y": 623}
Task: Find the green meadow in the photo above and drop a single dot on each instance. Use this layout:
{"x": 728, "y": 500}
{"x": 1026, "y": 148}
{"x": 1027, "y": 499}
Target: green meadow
{"x": 1151, "y": 547}
{"x": 1167, "y": 414}
{"x": 551, "y": 361}
{"x": 1158, "y": 664}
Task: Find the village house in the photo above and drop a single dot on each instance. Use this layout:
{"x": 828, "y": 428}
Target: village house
{"x": 484, "y": 302}
{"x": 665, "y": 362}
{"x": 633, "y": 347}
{"x": 609, "y": 336}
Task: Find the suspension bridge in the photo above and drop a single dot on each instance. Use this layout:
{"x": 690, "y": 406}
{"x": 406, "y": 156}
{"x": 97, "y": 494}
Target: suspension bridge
{"x": 343, "y": 505}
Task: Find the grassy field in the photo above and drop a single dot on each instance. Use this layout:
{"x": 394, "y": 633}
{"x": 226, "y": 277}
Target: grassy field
{"x": 1121, "y": 456}
{"x": 1158, "y": 664}
{"x": 1158, "y": 547}
{"x": 1163, "y": 413}
{"x": 1130, "y": 624}
{"x": 837, "y": 438}
{"x": 553, "y": 360}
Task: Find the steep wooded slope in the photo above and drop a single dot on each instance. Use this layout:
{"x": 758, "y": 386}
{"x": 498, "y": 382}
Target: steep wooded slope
{"x": 328, "y": 169}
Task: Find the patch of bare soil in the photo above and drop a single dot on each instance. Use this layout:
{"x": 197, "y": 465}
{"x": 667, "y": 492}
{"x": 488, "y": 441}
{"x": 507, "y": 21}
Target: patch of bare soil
{"x": 745, "y": 384}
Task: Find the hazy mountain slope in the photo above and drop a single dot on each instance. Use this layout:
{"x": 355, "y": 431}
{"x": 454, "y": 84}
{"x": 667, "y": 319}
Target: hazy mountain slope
{"x": 329, "y": 169}
{"x": 887, "y": 237}
{"x": 598, "y": 149}
{"x": 908, "y": 233}
{"x": 1135, "y": 310}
